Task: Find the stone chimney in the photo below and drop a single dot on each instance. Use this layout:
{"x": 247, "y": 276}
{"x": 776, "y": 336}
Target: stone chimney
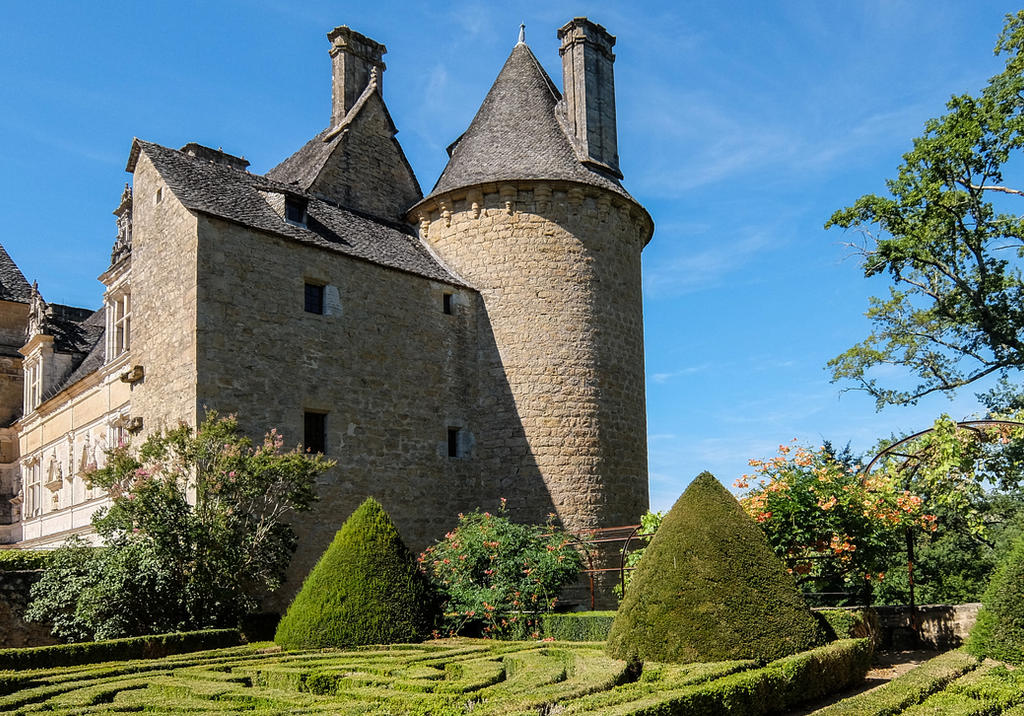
{"x": 589, "y": 90}
{"x": 353, "y": 59}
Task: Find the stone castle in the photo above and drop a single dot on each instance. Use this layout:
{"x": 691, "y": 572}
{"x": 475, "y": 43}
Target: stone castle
{"x": 483, "y": 341}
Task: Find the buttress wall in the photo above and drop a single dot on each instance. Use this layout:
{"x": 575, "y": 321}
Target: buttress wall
{"x": 557, "y": 266}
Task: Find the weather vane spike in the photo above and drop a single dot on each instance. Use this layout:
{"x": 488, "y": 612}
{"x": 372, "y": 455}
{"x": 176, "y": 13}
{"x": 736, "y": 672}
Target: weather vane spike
{"x": 522, "y": 33}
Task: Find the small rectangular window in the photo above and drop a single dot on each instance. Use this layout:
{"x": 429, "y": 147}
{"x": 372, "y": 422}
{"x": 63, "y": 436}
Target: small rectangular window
{"x": 295, "y": 211}
{"x": 315, "y": 432}
{"x": 446, "y": 303}
{"x": 453, "y": 442}
{"x": 314, "y": 298}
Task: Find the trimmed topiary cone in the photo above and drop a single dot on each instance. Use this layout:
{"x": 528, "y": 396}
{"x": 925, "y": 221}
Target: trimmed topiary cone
{"x": 999, "y": 631}
{"x": 365, "y": 589}
{"x": 709, "y": 588}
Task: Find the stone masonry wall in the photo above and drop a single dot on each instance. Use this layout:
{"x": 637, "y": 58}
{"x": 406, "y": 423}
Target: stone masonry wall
{"x": 558, "y": 270}
{"x": 367, "y": 170}
{"x": 163, "y": 285}
{"x": 15, "y": 632}
{"x": 390, "y": 369}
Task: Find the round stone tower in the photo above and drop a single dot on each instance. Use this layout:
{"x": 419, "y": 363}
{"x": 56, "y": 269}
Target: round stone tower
{"x": 529, "y": 212}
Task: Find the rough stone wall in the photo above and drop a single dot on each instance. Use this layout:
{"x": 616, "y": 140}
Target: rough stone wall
{"x": 939, "y": 626}
{"x": 558, "y": 271}
{"x": 391, "y": 370}
{"x": 368, "y": 170}
{"x": 163, "y": 285}
{"x": 15, "y": 632}
{"x": 13, "y": 323}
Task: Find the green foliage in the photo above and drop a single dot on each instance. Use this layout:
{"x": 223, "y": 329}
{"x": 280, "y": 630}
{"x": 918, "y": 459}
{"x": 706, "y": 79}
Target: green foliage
{"x": 906, "y": 690}
{"x": 850, "y": 623}
{"x": 709, "y": 588}
{"x": 989, "y": 689}
{"x": 366, "y": 589}
{"x": 577, "y": 626}
{"x": 835, "y": 530}
{"x": 18, "y": 560}
{"x": 999, "y": 631}
{"x": 955, "y": 312}
{"x": 495, "y": 573}
{"x": 446, "y": 678}
{"x": 649, "y": 524}
{"x": 171, "y": 563}
{"x": 141, "y": 647}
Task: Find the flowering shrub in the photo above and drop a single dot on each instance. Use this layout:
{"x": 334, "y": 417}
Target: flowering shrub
{"x": 494, "y": 573}
{"x": 195, "y": 533}
{"x": 834, "y": 529}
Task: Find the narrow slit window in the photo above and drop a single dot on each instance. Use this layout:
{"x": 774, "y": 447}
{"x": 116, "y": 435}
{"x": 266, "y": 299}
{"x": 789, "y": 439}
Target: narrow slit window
{"x": 314, "y": 298}
{"x": 453, "y": 442}
{"x": 446, "y": 303}
{"x": 315, "y": 432}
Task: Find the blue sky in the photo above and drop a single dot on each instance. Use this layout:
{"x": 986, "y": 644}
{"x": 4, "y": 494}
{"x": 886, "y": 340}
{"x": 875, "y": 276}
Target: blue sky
{"x": 742, "y": 126}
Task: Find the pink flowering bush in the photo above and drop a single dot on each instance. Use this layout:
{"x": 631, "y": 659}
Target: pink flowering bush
{"x": 497, "y": 576}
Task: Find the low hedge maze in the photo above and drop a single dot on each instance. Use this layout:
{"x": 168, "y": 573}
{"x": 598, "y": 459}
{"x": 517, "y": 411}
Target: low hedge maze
{"x": 442, "y": 678}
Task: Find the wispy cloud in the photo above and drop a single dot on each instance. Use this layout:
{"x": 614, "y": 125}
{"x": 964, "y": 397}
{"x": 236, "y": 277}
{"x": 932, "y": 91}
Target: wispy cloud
{"x": 693, "y": 271}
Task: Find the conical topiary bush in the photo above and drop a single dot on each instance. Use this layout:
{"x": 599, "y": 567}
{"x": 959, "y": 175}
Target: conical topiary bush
{"x": 365, "y": 589}
{"x": 999, "y": 631}
{"x": 709, "y": 588}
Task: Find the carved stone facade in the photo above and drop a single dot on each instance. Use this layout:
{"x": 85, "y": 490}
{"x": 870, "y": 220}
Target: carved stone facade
{"x": 482, "y": 342}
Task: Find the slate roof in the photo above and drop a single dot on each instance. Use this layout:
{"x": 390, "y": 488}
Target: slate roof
{"x": 234, "y": 195}
{"x": 80, "y": 332}
{"x": 517, "y": 134}
{"x": 13, "y": 286}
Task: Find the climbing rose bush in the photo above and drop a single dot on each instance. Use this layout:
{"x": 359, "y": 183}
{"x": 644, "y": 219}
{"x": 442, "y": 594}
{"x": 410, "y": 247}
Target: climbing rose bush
{"x": 495, "y": 575}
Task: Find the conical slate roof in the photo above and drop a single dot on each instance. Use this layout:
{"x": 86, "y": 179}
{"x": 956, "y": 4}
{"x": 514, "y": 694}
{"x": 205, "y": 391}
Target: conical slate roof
{"x": 517, "y": 134}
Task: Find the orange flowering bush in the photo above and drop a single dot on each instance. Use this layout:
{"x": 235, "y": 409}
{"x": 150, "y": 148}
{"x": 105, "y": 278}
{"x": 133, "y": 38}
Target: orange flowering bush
{"x": 495, "y": 574}
{"x": 833, "y": 529}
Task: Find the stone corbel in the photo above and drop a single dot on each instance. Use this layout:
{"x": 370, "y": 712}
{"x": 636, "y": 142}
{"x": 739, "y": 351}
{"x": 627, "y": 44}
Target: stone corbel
{"x": 133, "y": 375}
{"x": 424, "y": 225}
{"x": 542, "y": 195}
{"x": 446, "y": 212}
{"x": 508, "y": 197}
{"x": 475, "y": 199}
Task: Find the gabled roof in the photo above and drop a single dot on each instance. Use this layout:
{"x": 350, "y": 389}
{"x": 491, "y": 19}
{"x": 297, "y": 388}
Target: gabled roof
{"x": 517, "y": 134}
{"x": 13, "y": 286}
{"x": 81, "y": 333}
{"x": 233, "y": 195}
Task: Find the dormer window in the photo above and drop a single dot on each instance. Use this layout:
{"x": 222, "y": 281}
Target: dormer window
{"x": 119, "y": 323}
{"x": 295, "y": 211}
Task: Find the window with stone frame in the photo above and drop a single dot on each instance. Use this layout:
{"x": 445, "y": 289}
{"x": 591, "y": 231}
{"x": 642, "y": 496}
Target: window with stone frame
{"x": 119, "y": 323}
{"x": 32, "y": 489}
{"x": 33, "y": 383}
{"x": 315, "y": 432}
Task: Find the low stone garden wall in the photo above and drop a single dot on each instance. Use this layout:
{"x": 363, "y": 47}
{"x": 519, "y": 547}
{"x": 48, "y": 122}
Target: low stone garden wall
{"x": 940, "y": 626}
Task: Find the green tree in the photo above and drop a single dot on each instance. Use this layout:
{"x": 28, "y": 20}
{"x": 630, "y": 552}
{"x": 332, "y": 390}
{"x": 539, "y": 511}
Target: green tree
{"x": 951, "y": 241}
{"x": 196, "y": 532}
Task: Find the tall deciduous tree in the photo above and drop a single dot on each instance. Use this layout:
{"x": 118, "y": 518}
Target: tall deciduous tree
{"x": 951, "y": 236}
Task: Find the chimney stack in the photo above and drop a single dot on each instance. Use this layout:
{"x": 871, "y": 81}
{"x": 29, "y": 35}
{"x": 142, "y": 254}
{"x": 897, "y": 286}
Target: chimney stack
{"x": 353, "y": 59}
{"x": 589, "y": 90}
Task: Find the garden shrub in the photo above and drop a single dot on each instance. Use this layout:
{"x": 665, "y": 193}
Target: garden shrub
{"x": 709, "y": 588}
{"x": 139, "y": 647}
{"x": 577, "y": 626}
{"x": 366, "y": 589}
{"x": 20, "y": 560}
{"x": 496, "y": 575}
{"x": 848, "y": 623}
{"x": 906, "y": 690}
{"x": 999, "y": 631}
